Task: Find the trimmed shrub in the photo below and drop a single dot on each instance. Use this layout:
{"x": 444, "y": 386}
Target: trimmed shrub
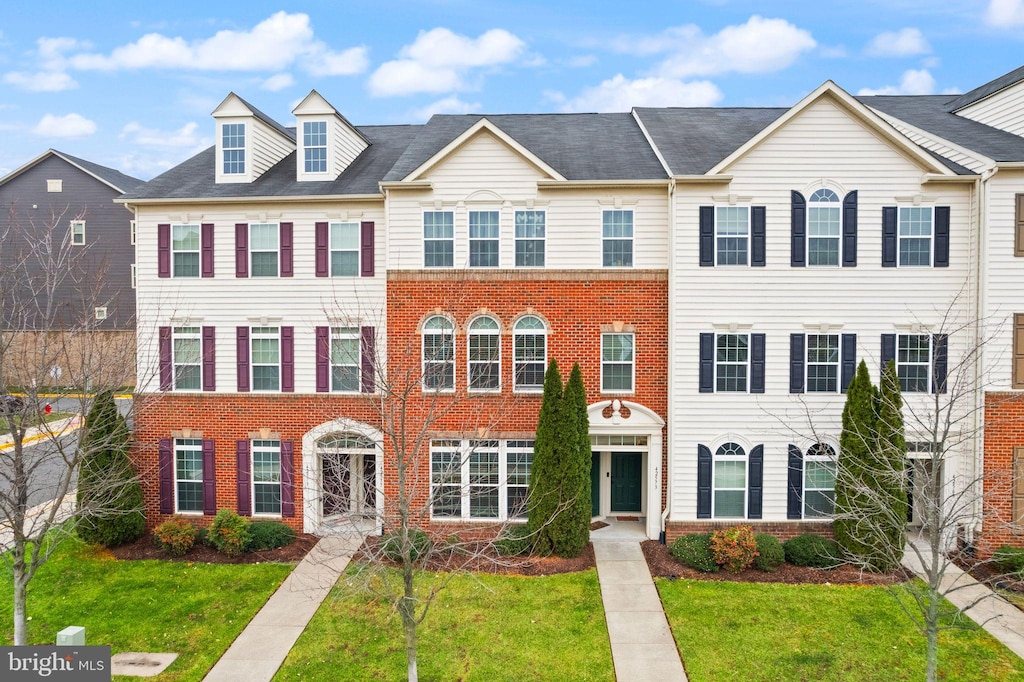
{"x": 228, "y": 532}
{"x": 419, "y": 544}
{"x": 268, "y": 535}
{"x": 694, "y": 550}
{"x": 770, "y": 554}
{"x": 175, "y": 537}
{"x": 203, "y": 537}
{"x": 514, "y": 541}
{"x": 1009, "y": 560}
{"x": 734, "y": 548}
{"x": 812, "y": 550}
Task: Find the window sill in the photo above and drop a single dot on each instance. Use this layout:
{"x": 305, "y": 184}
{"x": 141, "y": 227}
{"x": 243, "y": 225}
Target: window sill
{"x": 484, "y": 391}
{"x": 529, "y": 391}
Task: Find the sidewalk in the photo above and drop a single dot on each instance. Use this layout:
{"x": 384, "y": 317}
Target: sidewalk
{"x": 643, "y": 648}
{"x": 53, "y": 429}
{"x": 262, "y": 646}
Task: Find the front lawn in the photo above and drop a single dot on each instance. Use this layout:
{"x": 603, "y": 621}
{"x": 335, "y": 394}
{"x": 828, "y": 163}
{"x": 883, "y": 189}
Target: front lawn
{"x": 483, "y": 627}
{"x": 194, "y": 610}
{"x": 773, "y": 631}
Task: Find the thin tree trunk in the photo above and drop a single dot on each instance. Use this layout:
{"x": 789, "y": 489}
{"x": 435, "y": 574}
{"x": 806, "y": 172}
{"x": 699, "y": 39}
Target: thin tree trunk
{"x": 20, "y": 599}
{"x": 407, "y": 610}
{"x": 932, "y": 654}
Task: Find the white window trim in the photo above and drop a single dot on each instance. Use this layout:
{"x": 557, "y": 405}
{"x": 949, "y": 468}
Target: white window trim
{"x": 528, "y": 388}
{"x": 326, "y": 147}
{"x": 331, "y": 248}
{"x": 244, "y": 148}
{"x": 470, "y": 333}
{"x": 838, "y": 363}
{"x": 833, "y": 459}
{"x": 424, "y": 332}
{"x": 198, "y": 250}
{"x": 543, "y": 240}
{"x": 465, "y": 450}
{"x": 100, "y": 312}
{"x": 177, "y": 506}
{"x": 423, "y": 239}
{"x": 715, "y": 458}
{"x": 134, "y": 275}
{"x": 931, "y": 359}
{"x": 75, "y": 235}
{"x": 252, "y": 360}
{"x": 631, "y": 239}
{"x": 252, "y": 251}
{"x": 252, "y": 478}
{"x": 749, "y": 237}
{"x": 715, "y": 361}
{"x": 336, "y": 333}
{"x": 632, "y": 363}
{"x": 470, "y": 238}
{"x": 197, "y": 336}
{"x": 899, "y": 237}
{"x": 838, "y": 205}
{"x": 132, "y": 227}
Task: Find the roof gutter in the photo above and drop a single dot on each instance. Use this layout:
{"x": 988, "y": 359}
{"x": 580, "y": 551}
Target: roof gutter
{"x": 599, "y": 184}
{"x": 702, "y": 179}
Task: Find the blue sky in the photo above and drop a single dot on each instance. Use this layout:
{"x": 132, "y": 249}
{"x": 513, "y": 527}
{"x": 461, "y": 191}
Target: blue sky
{"x": 132, "y": 84}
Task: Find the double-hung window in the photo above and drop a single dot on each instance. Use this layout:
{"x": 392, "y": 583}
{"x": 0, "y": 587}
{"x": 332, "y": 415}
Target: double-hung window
{"x": 730, "y": 482}
{"x": 914, "y": 362}
{"x": 819, "y": 481}
{"x": 519, "y": 460}
{"x": 479, "y": 479}
{"x": 529, "y": 353}
{"x": 314, "y": 144}
{"x": 822, "y": 363}
{"x": 188, "y": 475}
{"x": 483, "y": 479}
{"x": 77, "y": 232}
{"x": 344, "y": 249}
{"x": 824, "y": 211}
{"x": 530, "y": 235}
{"x": 187, "y": 354}
{"x": 617, "y": 233}
{"x": 265, "y": 353}
{"x": 266, "y": 477}
{"x": 438, "y": 239}
{"x": 732, "y": 362}
{"x": 483, "y": 239}
{"x": 438, "y": 354}
{"x": 732, "y": 235}
{"x": 233, "y": 148}
{"x": 263, "y": 249}
{"x": 445, "y": 479}
{"x": 484, "y": 345}
{"x": 915, "y": 235}
{"x": 185, "y": 250}
{"x": 345, "y": 359}
{"x": 617, "y": 362}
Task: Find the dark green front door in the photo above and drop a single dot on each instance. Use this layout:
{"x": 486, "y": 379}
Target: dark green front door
{"x": 595, "y": 483}
{"x": 626, "y": 474}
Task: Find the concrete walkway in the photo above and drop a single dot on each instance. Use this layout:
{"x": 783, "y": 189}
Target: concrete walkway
{"x": 999, "y": 617}
{"x": 262, "y": 646}
{"x": 643, "y": 648}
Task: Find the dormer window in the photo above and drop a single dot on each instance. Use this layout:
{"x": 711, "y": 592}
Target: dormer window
{"x": 233, "y": 147}
{"x": 314, "y": 143}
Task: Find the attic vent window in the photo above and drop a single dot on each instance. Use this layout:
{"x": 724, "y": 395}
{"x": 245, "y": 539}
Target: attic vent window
{"x": 314, "y": 141}
{"x": 54, "y": 185}
{"x": 101, "y": 312}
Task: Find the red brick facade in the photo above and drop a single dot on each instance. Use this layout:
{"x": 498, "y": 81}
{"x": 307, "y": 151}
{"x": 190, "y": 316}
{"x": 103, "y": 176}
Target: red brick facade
{"x": 1004, "y": 431}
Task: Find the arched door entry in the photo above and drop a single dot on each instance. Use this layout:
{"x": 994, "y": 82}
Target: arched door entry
{"x": 349, "y": 472}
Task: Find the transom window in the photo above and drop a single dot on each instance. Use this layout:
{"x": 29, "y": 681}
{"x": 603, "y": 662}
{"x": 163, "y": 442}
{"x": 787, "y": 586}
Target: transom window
{"x": 915, "y": 235}
{"x": 483, "y": 239}
{"x": 265, "y": 358}
{"x": 187, "y": 353}
{"x": 263, "y": 256}
{"x": 819, "y": 481}
{"x": 822, "y": 363}
{"x": 438, "y": 354}
{"x": 233, "y": 148}
{"x": 732, "y": 235}
{"x": 617, "y": 233}
{"x": 438, "y": 239}
{"x": 77, "y": 232}
{"x": 345, "y": 359}
{"x": 913, "y": 362}
{"x": 185, "y": 250}
{"x": 530, "y": 235}
{"x": 730, "y": 482}
{"x": 344, "y": 249}
{"x": 732, "y": 362}
{"x": 617, "y": 362}
{"x": 266, "y": 477}
{"x": 480, "y": 479}
{"x": 529, "y": 353}
{"x": 188, "y": 475}
{"x": 314, "y": 143}
{"x": 484, "y": 354}
{"x": 824, "y": 212}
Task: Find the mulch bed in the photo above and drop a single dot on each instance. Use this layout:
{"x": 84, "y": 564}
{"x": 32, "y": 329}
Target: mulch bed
{"x": 144, "y": 548}
{"x": 985, "y": 572}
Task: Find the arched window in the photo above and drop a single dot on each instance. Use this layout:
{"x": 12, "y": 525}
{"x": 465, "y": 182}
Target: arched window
{"x": 819, "y": 481}
{"x": 439, "y": 354}
{"x": 529, "y": 353}
{"x": 823, "y": 228}
{"x": 730, "y": 482}
{"x": 484, "y": 354}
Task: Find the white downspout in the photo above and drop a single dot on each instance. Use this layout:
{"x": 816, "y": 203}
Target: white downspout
{"x": 671, "y": 355}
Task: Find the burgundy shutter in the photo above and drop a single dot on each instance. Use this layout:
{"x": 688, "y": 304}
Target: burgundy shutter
{"x": 163, "y": 250}
{"x": 758, "y": 239}
{"x": 795, "y": 481}
{"x": 941, "y": 255}
{"x": 206, "y": 257}
{"x": 796, "y": 363}
{"x": 288, "y": 359}
{"x": 322, "y": 249}
{"x": 757, "y": 343}
{"x": 323, "y": 359}
{"x": 797, "y": 230}
{"x": 755, "y": 490}
{"x": 707, "y": 236}
{"x": 242, "y": 460}
{"x": 166, "y": 466}
{"x": 366, "y": 249}
{"x": 209, "y": 478}
{"x": 850, "y": 230}
{"x": 707, "y": 363}
{"x": 703, "y": 482}
{"x": 287, "y": 479}
{"x": 889, "y": 239}
{"x": 286, "y": 249}
{"x": 242, "y": 345}
{"x": 241, "y": 249}
{"x": 209, "y": 359}
{"x": 367, "y": 349}
{"x": 166, "y": 360}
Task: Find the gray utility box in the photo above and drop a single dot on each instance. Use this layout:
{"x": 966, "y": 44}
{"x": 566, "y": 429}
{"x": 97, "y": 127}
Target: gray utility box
{"x": 71, "y": 636}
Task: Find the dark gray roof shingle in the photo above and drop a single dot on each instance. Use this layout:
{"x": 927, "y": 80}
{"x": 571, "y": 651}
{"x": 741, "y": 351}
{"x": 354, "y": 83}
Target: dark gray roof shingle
{"x": 983, "y": 91}
{"x": 123, "y": 182}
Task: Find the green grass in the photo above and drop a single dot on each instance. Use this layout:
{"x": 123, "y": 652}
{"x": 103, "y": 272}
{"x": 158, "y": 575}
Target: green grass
{"x": 194, "y": 610}
{"x": 480, "y": 628}
{"x": 771, "y": 631}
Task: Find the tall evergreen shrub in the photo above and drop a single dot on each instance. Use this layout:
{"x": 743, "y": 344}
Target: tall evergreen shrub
{"x": 545, "y": 478}
{"x": 570, "y": 529}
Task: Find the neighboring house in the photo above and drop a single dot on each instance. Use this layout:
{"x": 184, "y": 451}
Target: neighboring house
{"x": 717, "y": 273}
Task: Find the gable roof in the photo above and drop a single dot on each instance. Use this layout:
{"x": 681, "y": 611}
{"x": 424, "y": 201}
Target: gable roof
{"x": 287, "y": 132}
{"x": 982, "y": 91}
{"x": 115, "y": 179}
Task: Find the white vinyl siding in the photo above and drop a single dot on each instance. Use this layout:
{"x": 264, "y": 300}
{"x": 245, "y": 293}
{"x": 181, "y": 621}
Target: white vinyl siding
{"x": 1003, "y": 110}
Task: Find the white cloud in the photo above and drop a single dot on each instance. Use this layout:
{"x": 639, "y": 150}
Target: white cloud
{"x": 1005, "y": 13}
{"x": 71, "y": 125}
{"x": 439, "y": 61}
{"x": 44, "y": 81}
{"x": 345, "y": 63}
{"x": 622, "y": 94}
{"x": 278, "y": 82}
{"x": 448, "y": 105}
{"x": 185, "y": 137}
{"x": 906, "y": 42}
{"x": 913, "y": 82}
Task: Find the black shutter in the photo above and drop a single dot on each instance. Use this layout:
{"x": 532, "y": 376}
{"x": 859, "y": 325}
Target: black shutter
{"x": 757, "y": 236}
{"x": 209, "y": 478}
{"x": 849, "y": 356}
{"x": 707, "y": 236}
{"x": 941, "y": 237}
{"x": 888, "y": 350}
{"x": 707, "y": 363}
{"x": 850, "y": 230}
{"x": 703, "y": 482}
{"x": 797, "y": 230}
{"x": 889, "y": 237}
{"x": 755, "y": 483}
{"x": 757, "y": 363}
{"x": 939, "y": 362}
{"x": 910, "y": 492}
{"x": 796, "y": 363}
{"x": 795, "y": 483}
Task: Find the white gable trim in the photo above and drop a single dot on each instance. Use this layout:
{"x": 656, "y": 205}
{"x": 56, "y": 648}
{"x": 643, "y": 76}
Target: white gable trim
{"x": 481, "y": 125}
{"x": 979, "y": 158}
{"x": 862, "y": 112}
